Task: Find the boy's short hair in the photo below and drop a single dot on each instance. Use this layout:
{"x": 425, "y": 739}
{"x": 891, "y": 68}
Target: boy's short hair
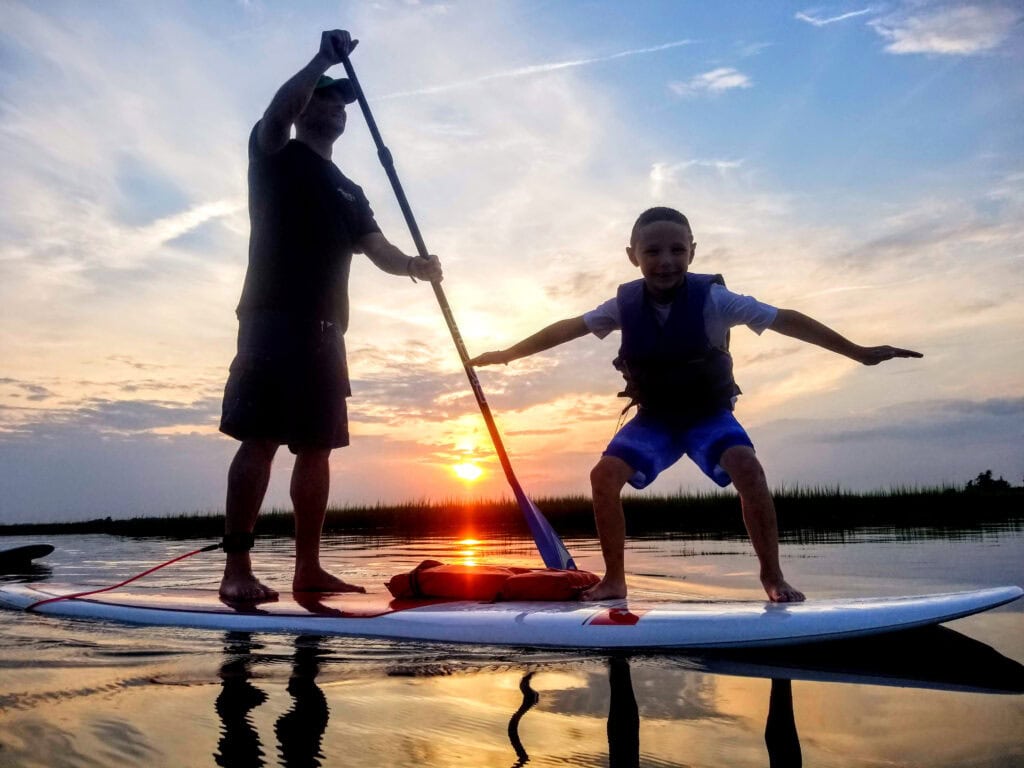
{"x": 659, "y": 213}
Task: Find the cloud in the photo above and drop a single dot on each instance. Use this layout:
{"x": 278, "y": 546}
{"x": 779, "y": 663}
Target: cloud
{"x": 534, "y": 69}
{"x": 945, "y": 225}
{"x": 714, "y": 82}
{"x": 817, "y": 21}
{"x": 662, "y": 174}
{"x": 924, "y": 444}
{"x": 32, "y": 392}
{"x": 582, "y": 287}
{"x": 98, "y": 416}
{"x": 770, "y": 355}
{"x": 949, "y": 30}
{"x": 938, "y": 420}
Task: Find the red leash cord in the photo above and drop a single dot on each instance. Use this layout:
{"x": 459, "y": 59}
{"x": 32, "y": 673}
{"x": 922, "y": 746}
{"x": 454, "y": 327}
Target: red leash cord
{"x": 35, "y": 605}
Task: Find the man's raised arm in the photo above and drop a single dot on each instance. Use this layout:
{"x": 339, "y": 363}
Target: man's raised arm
{"x": 292, "y": 97}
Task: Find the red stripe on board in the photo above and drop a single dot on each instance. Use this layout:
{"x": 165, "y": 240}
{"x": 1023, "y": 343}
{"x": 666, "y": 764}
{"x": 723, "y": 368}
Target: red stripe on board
{"x": 617, "y": 617}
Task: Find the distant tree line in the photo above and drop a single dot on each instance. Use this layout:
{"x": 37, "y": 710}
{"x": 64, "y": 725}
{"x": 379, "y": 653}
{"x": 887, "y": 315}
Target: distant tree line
{"x": 985, "y": 483}
{"x": 983, "y": 501}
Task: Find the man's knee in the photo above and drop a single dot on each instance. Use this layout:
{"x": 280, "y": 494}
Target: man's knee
{"x": 256, "y": 452}
{"x": 313, "y": 458}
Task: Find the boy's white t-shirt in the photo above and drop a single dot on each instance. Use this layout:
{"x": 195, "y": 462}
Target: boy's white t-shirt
{"x": 722, "y": 310}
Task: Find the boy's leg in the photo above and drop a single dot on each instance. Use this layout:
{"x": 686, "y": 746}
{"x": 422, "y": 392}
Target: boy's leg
{"x": 607, "y": 479}
{"x": 748, "y": 477}
{"x": 311, "y": 480}
{"x": 247, "y": 484}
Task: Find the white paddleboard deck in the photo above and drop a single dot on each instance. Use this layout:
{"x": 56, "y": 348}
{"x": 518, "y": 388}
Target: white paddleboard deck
{"x": 605, "y": 625}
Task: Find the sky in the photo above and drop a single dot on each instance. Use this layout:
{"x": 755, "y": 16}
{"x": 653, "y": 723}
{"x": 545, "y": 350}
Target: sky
{"x": 861, "y": 162}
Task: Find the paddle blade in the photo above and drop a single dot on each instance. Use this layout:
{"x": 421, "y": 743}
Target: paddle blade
{"x": 552, "y": 550}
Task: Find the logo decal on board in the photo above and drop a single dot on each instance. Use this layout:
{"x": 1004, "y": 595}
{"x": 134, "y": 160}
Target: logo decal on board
{"x": 617, "y": 617}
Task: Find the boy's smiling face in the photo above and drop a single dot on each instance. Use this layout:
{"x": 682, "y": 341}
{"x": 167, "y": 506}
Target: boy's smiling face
{"x": 663, "y": 250}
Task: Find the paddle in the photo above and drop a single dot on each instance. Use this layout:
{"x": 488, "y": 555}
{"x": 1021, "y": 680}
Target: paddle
{"x": 551, "y": 548}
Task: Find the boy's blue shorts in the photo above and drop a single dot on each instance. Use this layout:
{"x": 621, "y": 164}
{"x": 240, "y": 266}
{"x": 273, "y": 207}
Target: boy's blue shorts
{"x": 650, "y": 445}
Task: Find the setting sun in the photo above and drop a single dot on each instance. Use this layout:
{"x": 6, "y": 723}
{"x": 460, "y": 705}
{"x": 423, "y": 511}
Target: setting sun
{"x": 467, "y": 471}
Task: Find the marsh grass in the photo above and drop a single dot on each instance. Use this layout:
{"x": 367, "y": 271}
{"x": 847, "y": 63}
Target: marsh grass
{"x": 802, "y": 511}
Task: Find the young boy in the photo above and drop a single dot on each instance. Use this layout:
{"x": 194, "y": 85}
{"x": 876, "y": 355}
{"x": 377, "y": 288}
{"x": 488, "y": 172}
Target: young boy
{"x": 674, "y": 357}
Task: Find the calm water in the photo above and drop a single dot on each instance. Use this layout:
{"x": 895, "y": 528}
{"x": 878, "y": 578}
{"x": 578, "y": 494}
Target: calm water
{"x": 82, "y": 693}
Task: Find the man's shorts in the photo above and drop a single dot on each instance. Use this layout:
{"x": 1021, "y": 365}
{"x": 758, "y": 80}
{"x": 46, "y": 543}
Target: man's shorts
{"x": 287, "y": 383}
{"x": 650, "y": 445}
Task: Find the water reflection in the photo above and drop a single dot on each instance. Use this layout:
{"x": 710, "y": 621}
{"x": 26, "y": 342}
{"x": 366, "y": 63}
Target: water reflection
{"x": 623, "y": 729}
{"x": 892, "y": 660}
{"x": 300, "y": 730}
{"x": 530, "y": 697}
{"x": 780, "y": 734}
{"x": 239, "y": 744}
{"x": 623, "y": 716}
{"x": 67, "y": 688}
{"x": 935, "y": 658}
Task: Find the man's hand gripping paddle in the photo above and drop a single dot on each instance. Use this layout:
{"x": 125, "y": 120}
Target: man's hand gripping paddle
{"x": 552, "y": 550}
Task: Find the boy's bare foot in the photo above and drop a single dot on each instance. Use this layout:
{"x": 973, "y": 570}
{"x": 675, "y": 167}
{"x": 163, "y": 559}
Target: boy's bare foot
{"x": 779, "y": 591}
{"x": 319, "y": 580}
{"x": 606, "y": 589}
{"x": 245, "y": 588}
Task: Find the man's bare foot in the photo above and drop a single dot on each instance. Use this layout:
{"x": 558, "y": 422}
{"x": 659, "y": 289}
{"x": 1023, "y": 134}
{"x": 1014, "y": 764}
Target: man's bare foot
{"x": 779, "y": 591}
{"x": 605, "y": 589}
{"x": 245, "y": 588}
{"x": 319, "y": 580}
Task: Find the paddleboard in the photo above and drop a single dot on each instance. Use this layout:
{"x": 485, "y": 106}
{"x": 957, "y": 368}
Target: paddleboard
{"x": 20, "y": 558}
{"x": 605, "y": 625}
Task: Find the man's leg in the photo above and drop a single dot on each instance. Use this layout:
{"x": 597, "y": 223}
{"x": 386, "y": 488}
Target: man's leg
{"x": 311, "y": 480}
{"x": 248, "y": 478}
{"x": 606, "y": 480}
{"x": 748, "y": 477}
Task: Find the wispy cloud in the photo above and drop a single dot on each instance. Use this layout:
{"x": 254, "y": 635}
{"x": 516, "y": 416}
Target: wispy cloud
{"x": 535, "y": 69}
{"x": 27, "y": 390}
{"x": 811, "y": 18}
{"x": 716, "y": 81}
{"x": 932, "y": 420}
{"x": 98, "y": 416}
{"x": 942, "y": 431}
{"x": 950, "y": 30}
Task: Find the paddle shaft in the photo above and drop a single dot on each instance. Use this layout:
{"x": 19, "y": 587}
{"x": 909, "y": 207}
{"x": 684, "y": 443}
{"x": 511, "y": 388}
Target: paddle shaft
{"x": 389, "y": 167}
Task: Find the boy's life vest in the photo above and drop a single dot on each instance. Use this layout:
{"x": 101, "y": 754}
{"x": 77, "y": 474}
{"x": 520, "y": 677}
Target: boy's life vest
{"x": 490, "y": 582}
{"x": 673, "y": 370}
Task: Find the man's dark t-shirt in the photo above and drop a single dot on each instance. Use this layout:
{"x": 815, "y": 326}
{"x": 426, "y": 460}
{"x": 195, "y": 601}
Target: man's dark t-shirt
{"x": 306, "y": 218}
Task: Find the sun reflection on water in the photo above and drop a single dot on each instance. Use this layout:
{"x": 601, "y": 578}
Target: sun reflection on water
{"x": 469, "y": 552}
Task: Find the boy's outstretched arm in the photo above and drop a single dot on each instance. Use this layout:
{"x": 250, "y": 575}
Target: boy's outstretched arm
{"x": 546, "y": 338}
{"x": 789, "y": 322}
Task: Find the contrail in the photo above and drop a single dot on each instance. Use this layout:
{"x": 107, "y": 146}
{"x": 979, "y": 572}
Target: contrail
{"x": 534, "y": 69}
{"x": 823, "y": 22}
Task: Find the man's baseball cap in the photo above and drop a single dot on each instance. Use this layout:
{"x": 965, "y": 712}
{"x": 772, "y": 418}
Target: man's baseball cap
{"x": 342, "y": 86}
